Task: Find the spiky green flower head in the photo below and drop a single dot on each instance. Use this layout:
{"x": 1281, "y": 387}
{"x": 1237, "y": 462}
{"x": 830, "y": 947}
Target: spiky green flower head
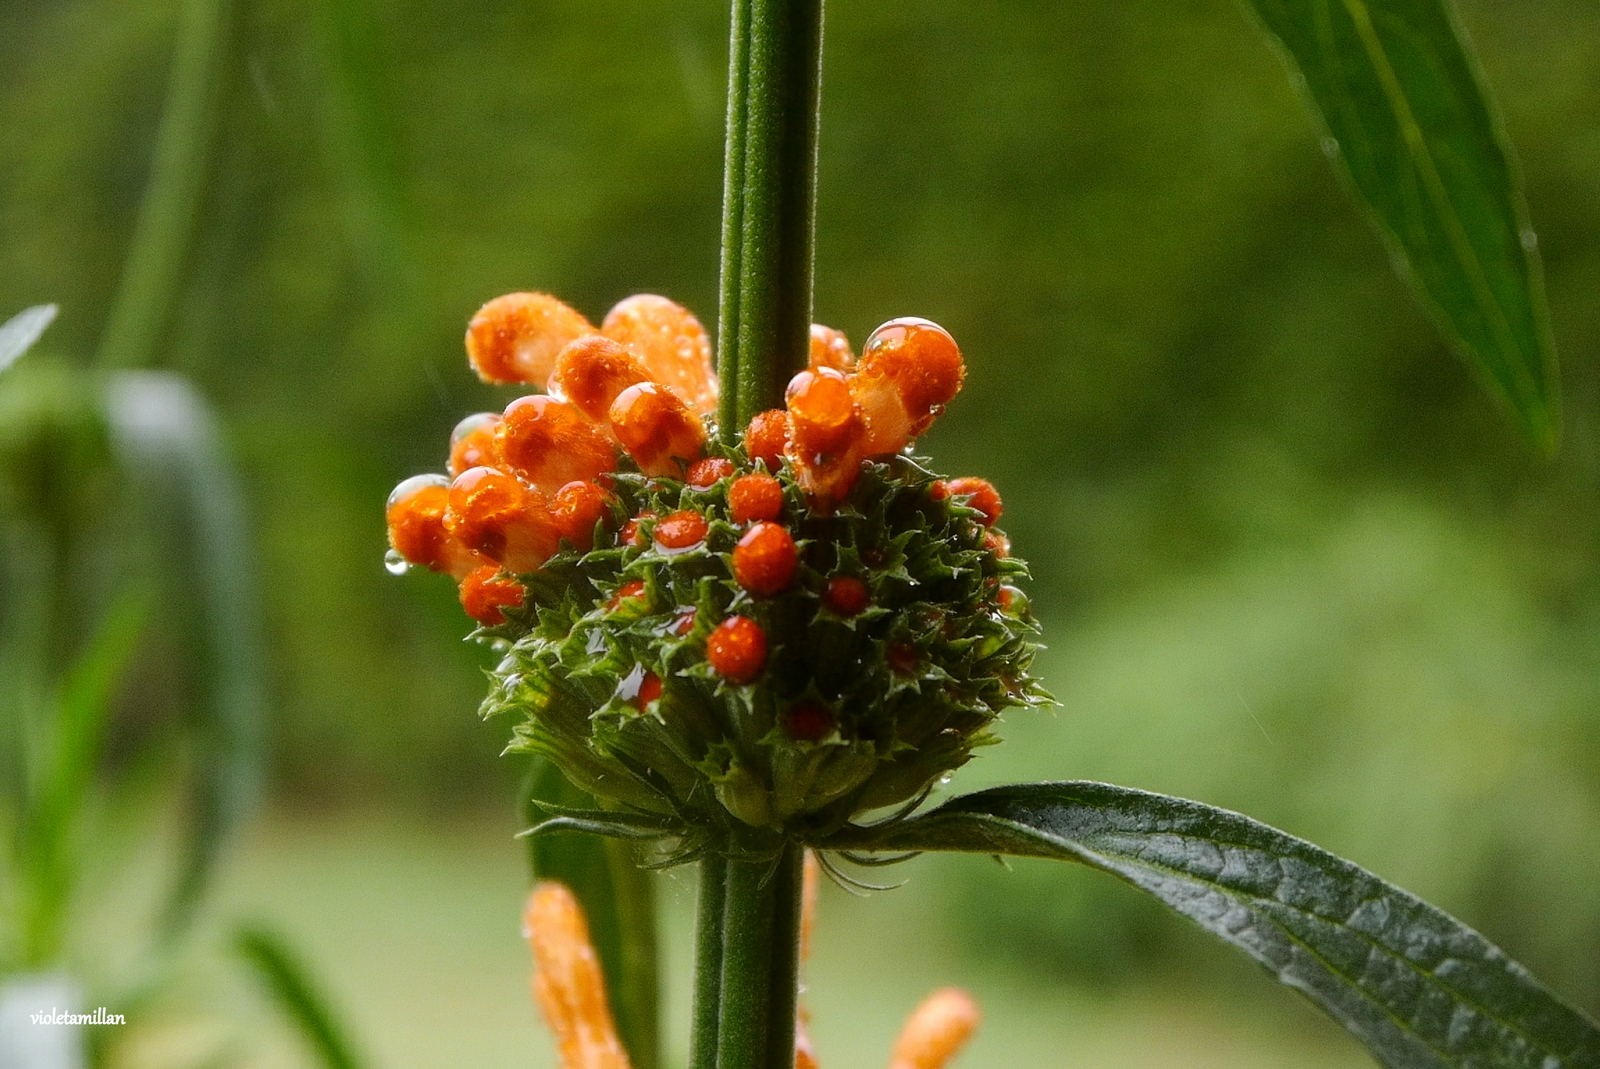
{"x": 730, "y": 642}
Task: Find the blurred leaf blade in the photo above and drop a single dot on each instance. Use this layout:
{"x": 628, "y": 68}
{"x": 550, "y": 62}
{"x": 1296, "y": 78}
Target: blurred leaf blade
{"x": 168, "y": 437}
{"x": 64, "y": 773}
{"x": 1413, "y": 131}
{"x": 18, "y": 333}
{"x": 290, "y": 984}
{"x": 619, "y": 900}
{"x": 1418, "y": 987}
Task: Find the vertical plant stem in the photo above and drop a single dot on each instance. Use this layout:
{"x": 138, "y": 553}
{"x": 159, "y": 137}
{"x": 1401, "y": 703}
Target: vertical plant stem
{"x": 153, "y": 271}
{"x": 769, "y": 203}
{"x": 708, "y": 938}
{"x": 760, "y": 963}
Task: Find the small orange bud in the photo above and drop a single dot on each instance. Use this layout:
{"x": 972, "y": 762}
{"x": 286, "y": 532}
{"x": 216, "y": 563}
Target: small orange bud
{"x": 737, "y": 649}
{"x": 633, "y": 588}
{"x": 764, "y": 560}
{"x": 821, "y": 412}
{"x": 980, "y": 494}
{"x": 757, "y": 496}
{"x": 997, "y": 543}
{"x": 680, "y": 531}
{"x": 549, "y": 443}
{"x": 708, "y": 471}
{"x": 417, "y": 531}
{"x": 591, "y": 371}
{"x": 630, "y": 535}
{"x": 846, "y": 595}
{"x": 485, "y": 592}
{"x": 923, "y": 362}
{"x": 577, "y": 507}
{"x": 830, "y": 348}
{"x": 683, "y": 623}
{"x": 515, "y": 338}
{"x": 657, "y": 429}
{"x": 494, "y": 514}
{"x": 671, "y": 344}
{"x": 767, "y": 437}
{"x": 808, "y": 721}
{"x": 472, "y": 443}
{"x": 640, "y": 688}
{"x": 902, "y": 658}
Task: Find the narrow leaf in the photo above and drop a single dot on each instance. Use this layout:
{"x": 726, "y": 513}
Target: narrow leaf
{"x": 290, "y": 985}
{"x": 1418, "y": 987}
{"x": 19, "y": 332}
{"x": 167, "y": 437}
{"x": 1411, "y": 126}
{"x": 617, "y": 896}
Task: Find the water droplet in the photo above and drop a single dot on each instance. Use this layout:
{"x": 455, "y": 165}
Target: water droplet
{"x": 1330, "y": 148}
{"x": 944, "y": 780}
{"x": 1530, "y": 240}
{"x": 395, "y": 564}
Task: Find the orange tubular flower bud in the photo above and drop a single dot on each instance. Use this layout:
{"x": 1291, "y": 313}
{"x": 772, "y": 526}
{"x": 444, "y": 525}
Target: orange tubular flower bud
{"x": 567, "y": 982}
{"x": 577, "y": 507}
{"x": 830, "y": 348}
{"x": 765, "y": 559}
{"x": 485, "y": 592}
{"x": 494, "y": 514}
{"x": 826, "y": 434}
{"x": 590, "y": 373}
{"x": 515, "y": 338}
{"x": 737, "y": 649}
{"x": 671, "y": 344}
{"x": 921, "y": 360}
{"x": 757, "y": 496}
{"x": 417, "y": 531}
{"x": 549, "y": 443}
{"x": 472, "y": 443}
{"x": 936, "y": 1030}
{"x": 767, "y": 437}
{"x": 657, "y": 429}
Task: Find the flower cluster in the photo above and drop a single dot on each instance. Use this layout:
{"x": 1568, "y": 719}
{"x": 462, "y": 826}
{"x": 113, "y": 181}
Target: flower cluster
{"x": 778, "y": 630}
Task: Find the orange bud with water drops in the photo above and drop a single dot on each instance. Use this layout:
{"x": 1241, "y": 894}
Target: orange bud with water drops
{"x": 472, "y": 443}
{"x": 549, "y": 443}
{"x": 680, "y": 531}
{"x": 830, "y": 348}
{"x": 765, "y": 559}
{"x": 825, "y": 434}
{"x": 980, "y": 494}
{"x": 922, "y": 361}
{"x": 846, "y": 595}
{"x": 485, "y": 593}
{"x": 577, "y": 507}
{"x": 657, "y": 429}
{"x": 767, "y": 438}
{"x": 671, "y": 344}
{"x": 757, "y": 496}
{"x": 708, "y": 471}
{"x": 417, "y": 532}
{"x": 737, "y": 649}
{"x": 515, "y": 338}
{"x": 590, "y": 373}
{"x": 496, "y": 515}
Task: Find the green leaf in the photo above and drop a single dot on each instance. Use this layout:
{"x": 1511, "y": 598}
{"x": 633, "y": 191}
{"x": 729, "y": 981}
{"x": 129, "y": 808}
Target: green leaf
{"x": 19, "y": 332}
{"x": 167, "y": 438}
{"x": 1418, "y": 987}
{"x": 290, "y": 985}
{"x": 63, "y": 773}
{"x": 1410, "y": 125}
{"x": 619, "y": 899}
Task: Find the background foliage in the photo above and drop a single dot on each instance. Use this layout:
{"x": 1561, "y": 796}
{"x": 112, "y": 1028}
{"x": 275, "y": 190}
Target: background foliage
{"x": 1288, "y": 557}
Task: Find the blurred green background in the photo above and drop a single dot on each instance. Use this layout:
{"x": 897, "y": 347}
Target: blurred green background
{"x": 1289, "y": 557}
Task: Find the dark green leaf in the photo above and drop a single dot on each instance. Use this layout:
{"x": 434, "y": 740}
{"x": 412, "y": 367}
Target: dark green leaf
{"x": 617, "y": 896}
{"x": 290, "y": 985}
{"x": 168, "y": 439}
{"x": 1411, "y": 127}
{"x": 19, "y": 332}
{"x": 1418, "y": 987}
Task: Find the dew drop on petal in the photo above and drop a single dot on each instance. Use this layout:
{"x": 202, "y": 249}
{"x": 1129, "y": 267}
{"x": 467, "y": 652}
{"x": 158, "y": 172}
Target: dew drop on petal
{"x": 395, "y": 564}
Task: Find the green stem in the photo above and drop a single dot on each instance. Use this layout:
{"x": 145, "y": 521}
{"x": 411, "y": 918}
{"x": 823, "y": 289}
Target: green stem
{"x": 769, "y": 203}
{"x": 708, "y": 962}
{"x": 153, "y": 272}
{"x": 760, "y": 963}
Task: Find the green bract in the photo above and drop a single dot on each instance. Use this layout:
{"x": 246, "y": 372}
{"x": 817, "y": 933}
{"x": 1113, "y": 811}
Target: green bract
{"x": 910, "y": 685}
